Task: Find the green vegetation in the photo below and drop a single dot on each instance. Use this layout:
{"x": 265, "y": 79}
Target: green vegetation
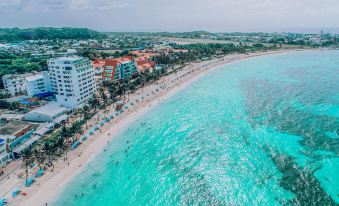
{"x": 16, "y": 34}
{"x": 195, "y": 52}
{"x": 18, "y": 64}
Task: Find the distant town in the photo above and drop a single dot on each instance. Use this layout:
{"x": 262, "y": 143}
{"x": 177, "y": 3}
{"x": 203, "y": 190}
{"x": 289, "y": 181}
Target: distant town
{"x": 54, "y": 81}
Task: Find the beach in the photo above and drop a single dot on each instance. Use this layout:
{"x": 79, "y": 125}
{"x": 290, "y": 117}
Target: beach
{"x": 49, "y": 186}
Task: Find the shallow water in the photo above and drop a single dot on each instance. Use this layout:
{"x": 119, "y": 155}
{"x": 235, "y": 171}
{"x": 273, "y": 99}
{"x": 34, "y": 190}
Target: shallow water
{"x": 264, "y": 131}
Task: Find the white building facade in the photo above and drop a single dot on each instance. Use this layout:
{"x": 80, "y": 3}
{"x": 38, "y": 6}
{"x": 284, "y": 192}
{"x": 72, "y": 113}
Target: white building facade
{"x": 30, "y": 83}
{"x": 38, "y": 84}
{"x": 15, "y": 84}
{"x": 72, "y": 79}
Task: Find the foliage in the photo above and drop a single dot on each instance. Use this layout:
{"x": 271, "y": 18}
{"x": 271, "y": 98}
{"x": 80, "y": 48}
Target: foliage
{"x": 16, "y": 34}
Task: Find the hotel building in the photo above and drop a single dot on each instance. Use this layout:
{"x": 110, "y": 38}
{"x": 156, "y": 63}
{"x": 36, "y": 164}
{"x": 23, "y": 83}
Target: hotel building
{"x": 119, "y": 68}
{"x": 72, "y": 79}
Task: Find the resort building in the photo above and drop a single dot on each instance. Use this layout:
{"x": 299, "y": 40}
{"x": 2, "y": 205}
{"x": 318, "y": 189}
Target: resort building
{"x": 98, "y": 66}
{"x": 50, "y": 112}
{"x": 143, "y": 64}
{"x": 17, "y": 135}
{"x": 15, "y": 84}
{"x": 72, "y": 79}
{"x": 30, "y": 83}
{"x": 38, "y": 84}
{"x": 4, "y": 157}
{"x": 119, "y": 68}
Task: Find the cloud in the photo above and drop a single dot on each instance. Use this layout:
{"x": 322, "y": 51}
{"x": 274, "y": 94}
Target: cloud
{"x": 171, "y": 15}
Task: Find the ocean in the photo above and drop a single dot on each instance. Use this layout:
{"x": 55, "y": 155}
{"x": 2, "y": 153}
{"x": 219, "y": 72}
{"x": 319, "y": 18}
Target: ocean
{"x": 264, "y": 131}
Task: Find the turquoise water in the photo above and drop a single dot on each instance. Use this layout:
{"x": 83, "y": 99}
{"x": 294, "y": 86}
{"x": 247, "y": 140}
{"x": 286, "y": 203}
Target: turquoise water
{"x": 264, "y": 131}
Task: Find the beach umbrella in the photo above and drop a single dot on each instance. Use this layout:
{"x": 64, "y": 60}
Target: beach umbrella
{"x": 40, "y": 173}
{"x": 91, "y": 132}
{"x": 3, "y": 202}
{"x": 75, "y": 145}
{"x": 29, "y": 182}
{"x": 84, "y": 138}
{"x": 15, "y": 192}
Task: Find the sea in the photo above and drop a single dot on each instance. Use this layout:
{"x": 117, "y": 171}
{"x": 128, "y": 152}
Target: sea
{"x": 263, "y": 131}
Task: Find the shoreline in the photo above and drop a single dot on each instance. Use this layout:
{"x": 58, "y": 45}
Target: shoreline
{"x": 48, "y": 187}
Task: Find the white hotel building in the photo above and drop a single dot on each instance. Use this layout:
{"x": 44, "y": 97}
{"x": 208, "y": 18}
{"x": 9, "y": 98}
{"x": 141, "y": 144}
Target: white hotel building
{"x": 72, "y": 79}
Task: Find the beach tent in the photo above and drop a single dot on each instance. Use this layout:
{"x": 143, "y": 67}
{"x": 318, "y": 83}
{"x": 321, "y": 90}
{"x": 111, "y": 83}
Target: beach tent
{"x": 29, "y": 182}
{"x": 75, "y": 145}
{"x": 40, "y": 173}
{"x": 15, "y": 192}
{"x": 84, "y": 138}
{"x": 3, "y": 202}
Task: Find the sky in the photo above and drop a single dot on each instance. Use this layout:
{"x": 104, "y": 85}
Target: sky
{"x": 174, "y": 15}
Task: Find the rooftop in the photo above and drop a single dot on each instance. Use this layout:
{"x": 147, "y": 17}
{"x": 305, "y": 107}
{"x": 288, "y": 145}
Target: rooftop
{"x": 51, "y": 109}
{"x": 35, "y": 77}
{"x": 68, "y": 59}
{"x": 13, "y": 127}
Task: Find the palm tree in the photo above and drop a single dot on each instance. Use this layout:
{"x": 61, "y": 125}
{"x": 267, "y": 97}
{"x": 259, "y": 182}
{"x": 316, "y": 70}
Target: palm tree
{"x": 39, "y": 155}
{"x": 27, "y": 158}
{"x": 75, "y": 129}
{"x": 49, "y": 149}
{"x": 65, "y": 132}
{"x": 85, "y": 114}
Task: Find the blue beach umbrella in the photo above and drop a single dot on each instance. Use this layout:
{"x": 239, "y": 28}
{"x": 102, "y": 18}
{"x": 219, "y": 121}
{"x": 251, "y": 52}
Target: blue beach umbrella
{"x": 40, "y": 173}
{"x": 15, "y": 192}
{"x": 29, "y": 182}
{"x": 91, "y": 132}
{"x": 75, "y": 145}
{"x": 84, "y": 138}
{"x": 3, "y": 202}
